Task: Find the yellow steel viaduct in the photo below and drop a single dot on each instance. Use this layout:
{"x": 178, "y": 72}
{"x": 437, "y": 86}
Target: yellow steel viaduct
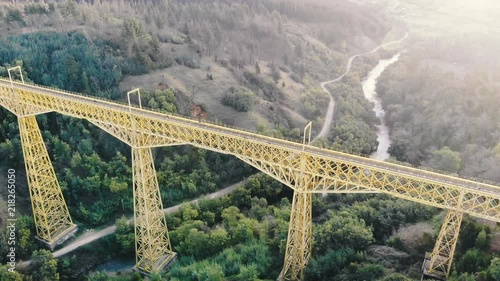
{"x": 304, "y": 168}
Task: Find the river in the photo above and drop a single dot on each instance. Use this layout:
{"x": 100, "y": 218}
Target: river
{"x": 331, "y": 105}
{"x": 369, "y": 86}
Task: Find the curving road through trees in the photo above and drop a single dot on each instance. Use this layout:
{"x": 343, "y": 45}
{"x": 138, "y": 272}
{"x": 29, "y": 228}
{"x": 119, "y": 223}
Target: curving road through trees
{"x": 92, "y": 235}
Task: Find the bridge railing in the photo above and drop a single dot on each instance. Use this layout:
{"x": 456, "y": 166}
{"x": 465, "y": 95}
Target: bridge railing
{"x": 404, "y": 167}
{"x": 470, "y": 178}
{"x": 446, "y": 173}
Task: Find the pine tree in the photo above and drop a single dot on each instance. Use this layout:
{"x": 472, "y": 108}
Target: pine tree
{"x": 86, "y": 83}
{"x": 257, "y": 68}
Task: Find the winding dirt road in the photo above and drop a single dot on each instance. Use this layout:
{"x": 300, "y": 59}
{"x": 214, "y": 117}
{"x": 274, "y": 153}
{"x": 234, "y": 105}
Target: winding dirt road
{"x": 91, "y": 236}
{"x": 331, "y": 105}
{"x": 85, "y": 239}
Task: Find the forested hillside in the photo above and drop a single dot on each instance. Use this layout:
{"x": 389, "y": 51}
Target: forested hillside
{"x": 89, "y": 47}
{"x": 293, "y": 44}
{"x": 353, "y": 129}
{"x": 441, "y": 101}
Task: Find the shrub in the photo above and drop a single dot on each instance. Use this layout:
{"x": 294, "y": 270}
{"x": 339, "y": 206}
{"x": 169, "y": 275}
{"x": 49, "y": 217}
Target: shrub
{"x": 240, "y": 99}
{"x": 188, "y": 61}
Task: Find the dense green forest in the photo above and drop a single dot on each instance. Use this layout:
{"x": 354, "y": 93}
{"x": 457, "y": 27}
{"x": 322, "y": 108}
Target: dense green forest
{"x": 353, "y": 128}
{"x": 91, "y": 46}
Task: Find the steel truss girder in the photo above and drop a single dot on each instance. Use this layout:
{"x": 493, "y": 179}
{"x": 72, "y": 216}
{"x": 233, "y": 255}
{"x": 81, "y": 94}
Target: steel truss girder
{"x": 326, "y": 171}
{"x": 442, "y": 254}
{"x": 152, "y": 242}
{"x": 336, "y": 171}
{"x": 50, "y": 213}
{"x": 284, "y": 171}
{"x": 11, "y": 100}
{"x": 135, "y": 138}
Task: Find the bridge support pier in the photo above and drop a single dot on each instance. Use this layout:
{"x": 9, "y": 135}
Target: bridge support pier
{"x": 152, "y": 243}
{"x": 438, "y": 263}
{"x": 299, "y": 242}
{"x": 52, "y": 219}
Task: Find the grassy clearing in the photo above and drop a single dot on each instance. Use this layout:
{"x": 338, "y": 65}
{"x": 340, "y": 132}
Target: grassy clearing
{"x": 411, "y": 235}
{"x": 209, "y": 93}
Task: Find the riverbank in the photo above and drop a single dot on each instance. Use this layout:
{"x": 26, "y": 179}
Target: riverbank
{"x": 327, "y": 124}
{"x": 369, "y": 86}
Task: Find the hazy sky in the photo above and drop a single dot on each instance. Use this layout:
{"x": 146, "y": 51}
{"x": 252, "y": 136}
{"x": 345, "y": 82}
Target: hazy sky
{"x": 449, "y": 16}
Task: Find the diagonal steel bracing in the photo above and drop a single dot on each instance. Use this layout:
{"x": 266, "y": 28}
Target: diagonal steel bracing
{"x": 50, "y": 213}
{"x": 299, "y": 241}
{"x": 441, "y": 257}
{"x": 152, "y": 243}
